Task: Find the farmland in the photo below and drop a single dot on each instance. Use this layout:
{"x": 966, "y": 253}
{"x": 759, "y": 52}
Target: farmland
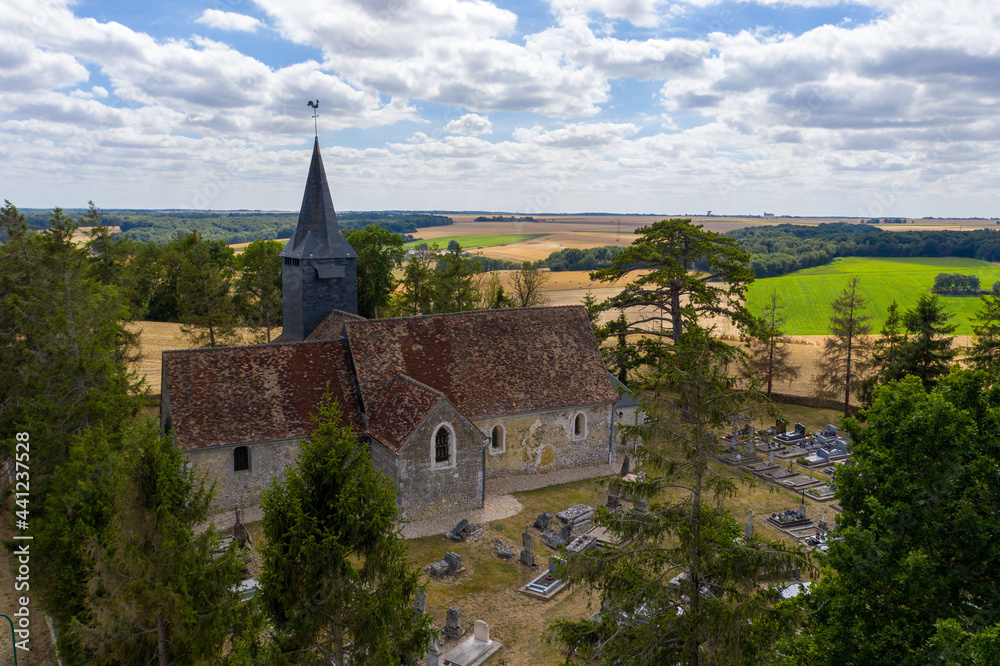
{"x": 806, "y": 295}
{"x": 475, "y": 241}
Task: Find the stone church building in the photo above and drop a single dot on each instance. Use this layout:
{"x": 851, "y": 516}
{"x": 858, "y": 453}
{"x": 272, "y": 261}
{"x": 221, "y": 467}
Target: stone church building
{"x": 444, "y": 402}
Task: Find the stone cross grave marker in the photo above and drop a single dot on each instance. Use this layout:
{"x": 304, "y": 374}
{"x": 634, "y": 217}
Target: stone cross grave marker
{"x": 453, "y": 623}
{"x": 527, "y": 557}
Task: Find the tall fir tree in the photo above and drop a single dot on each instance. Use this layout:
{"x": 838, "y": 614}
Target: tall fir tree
{"x": 984, "y": 351}
{"x": 928, "y": 352}
{"x": 770, "y": 358}
{"x": 417, "y": 287}
{"x": 887, "y": 355}
{"x": 846, "y": 352}
{"x": 684, "y": 586}
{"x": 335, "y": 570}
{"x": 454, "y": 281}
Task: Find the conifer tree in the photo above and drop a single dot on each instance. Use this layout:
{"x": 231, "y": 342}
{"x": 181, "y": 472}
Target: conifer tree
{"x": 927, "y": 352}
{"x": 158, "y": 591}
{"x": 846, "y": 352}
{"x": 769, "y": 353}
{"x": 984, "y": 352}
{"x": 417, "y": 286}
{"x": 454, "y": 281}
{"x": 684, "y": 587}
{"x": 887, "y": 355}
{"x": 335, "y": 570}
{"x": 207, "y": 308}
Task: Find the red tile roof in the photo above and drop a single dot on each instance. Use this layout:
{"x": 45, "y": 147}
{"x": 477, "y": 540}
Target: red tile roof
{"x": 487, "y": 363}
{"x": 405, "y": 405}
{"x": 232, "y": 395}
{"x": 331, "y": 327}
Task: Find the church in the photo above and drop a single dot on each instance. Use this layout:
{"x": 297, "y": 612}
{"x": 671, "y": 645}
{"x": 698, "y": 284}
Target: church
{"x": 444, "y": 402}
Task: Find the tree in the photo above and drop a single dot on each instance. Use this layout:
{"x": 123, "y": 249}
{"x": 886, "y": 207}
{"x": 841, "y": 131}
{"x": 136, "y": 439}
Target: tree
{"x": 379, "y": 252}
{"x": 684, "y": 587}
{"x": 847, "y": 350}
{"x": 115, "y": 261}
{"x": 335, "y": 571}
{"x": 491, "y": 294}
{"x": 919, "y": 540}
{"x": 769, "y": 353}
{"x": 682, "y": 274}
{"x": 258, "y": 286}
{"x": 887, "y": 355}
{"x": 418, "y": 285}
{"x": 159, "y": 591}
{"x": 527, "y": 282}
{"x": 207, "y": 308}
{"x": 622, "y": 357}
{"x": 927, "y": 352}
{"x": 454, "y": 281}
{"x": 984, "y": 352}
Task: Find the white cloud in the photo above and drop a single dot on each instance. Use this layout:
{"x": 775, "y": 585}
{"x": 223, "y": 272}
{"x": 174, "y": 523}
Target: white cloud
{"x": 470, "y": 124}
{"x": 220, "y": 20}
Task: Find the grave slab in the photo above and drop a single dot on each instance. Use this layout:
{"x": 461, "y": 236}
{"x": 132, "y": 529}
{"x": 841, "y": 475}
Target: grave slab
{"x": 475, "y": 649}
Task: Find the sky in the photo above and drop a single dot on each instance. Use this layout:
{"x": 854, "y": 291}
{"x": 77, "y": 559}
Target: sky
{"x": 875, "y": 108}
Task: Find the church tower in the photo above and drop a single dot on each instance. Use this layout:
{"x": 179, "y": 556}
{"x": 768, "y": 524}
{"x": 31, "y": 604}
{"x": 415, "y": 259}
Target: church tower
{"x": 319, "y": 272}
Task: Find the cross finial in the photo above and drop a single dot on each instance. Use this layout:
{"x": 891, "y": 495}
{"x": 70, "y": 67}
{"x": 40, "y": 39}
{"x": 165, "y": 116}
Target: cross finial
{"x": 315, "y": 108}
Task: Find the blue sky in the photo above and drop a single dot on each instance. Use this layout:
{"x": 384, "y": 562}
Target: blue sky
{"x": 798, "y": 107}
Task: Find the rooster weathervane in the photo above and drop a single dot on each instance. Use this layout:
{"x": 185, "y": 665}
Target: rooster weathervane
{"x": 315, "y": 108}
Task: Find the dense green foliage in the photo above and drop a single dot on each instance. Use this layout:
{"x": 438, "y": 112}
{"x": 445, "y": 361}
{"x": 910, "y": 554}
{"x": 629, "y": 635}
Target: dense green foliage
{"x": 258, "y": 288}
{"x": 379, "y": 252}
{"x": 956, "y": 284}
{"x": 574, "y": 259}
{"x": 882, "y": 281}
{"x": 844, "y": 365}
{"x": 785, "y": 248}
{"x": 334, "y": 568}
{"x": 920, "y": 543}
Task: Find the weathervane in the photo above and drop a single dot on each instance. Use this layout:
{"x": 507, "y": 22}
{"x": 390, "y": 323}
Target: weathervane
{"x": 315, "y": 107}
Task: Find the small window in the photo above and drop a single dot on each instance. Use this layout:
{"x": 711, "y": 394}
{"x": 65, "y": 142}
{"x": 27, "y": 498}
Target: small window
{"x": 496, "y": 439}
{"x": 241, "y": 458}
{"x": 442, "y": 446}
{"x": 579, "y": 425}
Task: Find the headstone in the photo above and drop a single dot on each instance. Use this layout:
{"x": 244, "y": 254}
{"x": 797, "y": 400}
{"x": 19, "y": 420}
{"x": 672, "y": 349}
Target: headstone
{"x": 552, "y": 540}
{"x": 780, "y": 426}
{"x": 750, "y": 447}
{"x": 749, "y": 528}
{"x": 542, "y": 522}
{"x": 613, "y": 501}
{"x": 454, "y": 561}
{"x": 453, "y": 624}
{"x": 458, "y": 534}
{"x": 625, "y": 466}
{"x": 433, "y": 653}
{"x": 800, "y": 429}
{"x": 527, "y": 557}
{"x": 421, "y": 602}
{"x": 566, "y": 533}
{"x": 770, "y": 457}
{"x": 240, "y": 535}
{"x": 553, "y": 561}
{"x": 822, "y": 524}
{"x": 505, "y": 552}
{"x": 802, "y": 505}
{"x": 482, "y": 631}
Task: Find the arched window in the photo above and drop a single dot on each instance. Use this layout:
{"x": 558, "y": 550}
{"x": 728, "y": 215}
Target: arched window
{"x": 580, "y": 426}
{"x": 241, "y": 458}
{"x": 496, "y": 441}
{"x": 442, "y": 445}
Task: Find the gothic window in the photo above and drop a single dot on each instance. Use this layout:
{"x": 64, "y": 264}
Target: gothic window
{"x": 442, "y": 445}
{"x": 241, "y": 458}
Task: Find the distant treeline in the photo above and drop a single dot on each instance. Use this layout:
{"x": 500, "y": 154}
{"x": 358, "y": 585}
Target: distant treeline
{"x": 240, "y": 226}
{"x": 786, "y": 248}
{"x": 957, "y": 284}
{"x": 501, "y": 218}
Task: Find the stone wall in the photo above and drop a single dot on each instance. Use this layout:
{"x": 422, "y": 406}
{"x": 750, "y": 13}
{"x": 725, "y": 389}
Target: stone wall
{"x": 539, "y": 442}
{"x": 231, "y": 488}
{"x": 427, "y": 488}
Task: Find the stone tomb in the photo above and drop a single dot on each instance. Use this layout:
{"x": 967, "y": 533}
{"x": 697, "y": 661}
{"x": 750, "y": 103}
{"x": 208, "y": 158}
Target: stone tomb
{"x": 821, "y": 493}
{"x": 582, "y": 544}
{"x": 449, "y": 566}
{"x": 793, "y": 437}
{"x": 475, "y": 649}
{"x": 578, "y": 516}
{"x": 548, "y": 584}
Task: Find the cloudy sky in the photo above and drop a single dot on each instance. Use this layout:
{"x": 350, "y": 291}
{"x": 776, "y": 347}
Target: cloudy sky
{"x": 799, "y": 107}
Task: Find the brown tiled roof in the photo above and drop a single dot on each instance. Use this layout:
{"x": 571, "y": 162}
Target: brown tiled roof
{"x": 487, "y": 363}
{"x": 331, "y": 327}
{"x": 250, "y": 394}
{"x": 404, "y": 406}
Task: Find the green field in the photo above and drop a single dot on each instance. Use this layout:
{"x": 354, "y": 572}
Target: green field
{"x": 475, "y": 241}
{"x": 806, "y": 295}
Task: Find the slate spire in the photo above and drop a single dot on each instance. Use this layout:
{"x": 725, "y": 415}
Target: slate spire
{"x": 317, "y": 235}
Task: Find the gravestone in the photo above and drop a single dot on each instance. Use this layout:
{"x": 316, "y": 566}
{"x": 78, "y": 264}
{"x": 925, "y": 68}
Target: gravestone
{"x": 751, "y": 449}
{"x": 453, "y": 624}
{"x": 566, "y": 533}
{"x": 421, "y": 601}
{"x": 543, "y": 520}
{"x": 458, "y": 534}
{"x": 770, "y": 457}
{"x": 505, "y": 552}
{"x": 454, "y": 561}
{"x": 527, "y": 557}
{"x": 625, "y": 466}
{"x": 552, "y": 540}
{"x": 613, "y": 501}
{"x": 749, "y": 528}
{"x": 434, "y": 653}
{"x": 780, "y": 426}
{"x": 481, "y": 631}
{"x": 240, "y": 534}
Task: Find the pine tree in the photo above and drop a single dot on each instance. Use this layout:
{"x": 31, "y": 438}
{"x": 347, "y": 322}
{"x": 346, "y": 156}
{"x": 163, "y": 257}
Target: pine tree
{"x": 927, "y": 352}
{"x": 204, "y": 285}
{"x": 846, "y": 352}
{"x": 454, "y": 281}
{"x": 984, "y": 352}
{"x": 417, "y": 286}
{"x": 158, "y": 591}
{"x": 769, "y": 353}
{"x": 887, "y": 355}
{"x": 335, "y": 570}
{"x": 684, "y": 587}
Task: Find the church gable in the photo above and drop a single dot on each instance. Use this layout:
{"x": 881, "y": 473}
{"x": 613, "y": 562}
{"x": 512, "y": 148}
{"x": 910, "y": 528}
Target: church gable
{"x": 406, "y": 404}
{"x": 230, "y": 395}
{"x": 486, "y": 363}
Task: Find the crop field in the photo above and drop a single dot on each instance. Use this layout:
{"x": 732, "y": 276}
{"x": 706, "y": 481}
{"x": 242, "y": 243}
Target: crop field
{"x": 806, "y": 295}
{"x": 475, "y": 241}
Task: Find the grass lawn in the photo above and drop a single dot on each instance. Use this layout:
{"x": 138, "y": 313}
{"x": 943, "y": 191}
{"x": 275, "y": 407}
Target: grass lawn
{"x": 806, "y": 295}
{"x": 475, "y": 241}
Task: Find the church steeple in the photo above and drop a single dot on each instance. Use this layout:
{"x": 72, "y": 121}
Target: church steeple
{"x": 319, "y": 272}
{"x": 317, "y": 234}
